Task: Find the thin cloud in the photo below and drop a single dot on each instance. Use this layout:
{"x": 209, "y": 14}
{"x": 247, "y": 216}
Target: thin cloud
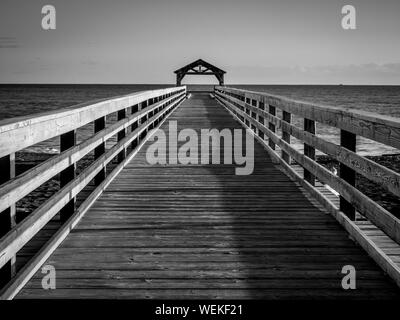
{"x": 8, "y": 42}
{"x": 352, "y": 73}
{"x": 89, "y": 62}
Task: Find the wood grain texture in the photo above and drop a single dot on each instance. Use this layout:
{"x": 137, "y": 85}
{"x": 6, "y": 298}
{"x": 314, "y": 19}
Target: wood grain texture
{"x": 199, "y": 231}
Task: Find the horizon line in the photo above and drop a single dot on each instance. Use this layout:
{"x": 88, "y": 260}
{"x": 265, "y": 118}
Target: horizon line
{"x": 199, "y": 84}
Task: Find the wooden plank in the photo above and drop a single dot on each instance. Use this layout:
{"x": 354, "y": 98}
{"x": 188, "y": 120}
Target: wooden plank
{"x": 227, "y": 294}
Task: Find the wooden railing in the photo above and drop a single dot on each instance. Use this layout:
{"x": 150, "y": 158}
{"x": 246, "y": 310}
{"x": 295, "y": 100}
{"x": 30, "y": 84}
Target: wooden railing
{"x": 258, "y": 111}
{"x": 136, "y": 115}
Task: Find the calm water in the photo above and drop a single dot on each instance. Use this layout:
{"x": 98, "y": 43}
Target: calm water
{"x": 21, "y": 100}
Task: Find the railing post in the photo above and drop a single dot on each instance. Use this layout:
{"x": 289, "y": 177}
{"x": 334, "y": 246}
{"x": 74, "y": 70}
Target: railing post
{"x": 155, "y": 112}
{"x": 165, "y": 104}
{"x": 67, "y": 140}
{"x": 7, "y": 217}
{"x": 348, "y": 140}
{"x": 121, "y": 114}
{"x": 246, "y": 110}
{"x": 254, "y": 115}
{"x": 309, "y": 151}
{"x": 287, "y": 117}
{"x": 99, "y": 124}
{"x": 134, "y": 109}
{"x": 243, "y": 99}
{"x": 271, "y": 126}
{"x": 143, "y": 119}
{"x": 139, "y": 122}
{"x": 261, "y": 119}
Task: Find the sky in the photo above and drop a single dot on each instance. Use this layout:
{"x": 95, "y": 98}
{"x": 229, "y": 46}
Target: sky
{"x": 254, "y": 41}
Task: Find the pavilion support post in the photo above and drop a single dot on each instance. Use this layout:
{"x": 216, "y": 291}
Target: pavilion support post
{"x": 221, "y": 79}
{"x": 179, "y": 78}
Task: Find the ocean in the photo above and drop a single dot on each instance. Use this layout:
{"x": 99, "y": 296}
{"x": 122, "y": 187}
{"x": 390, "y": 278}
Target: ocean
{"x": 22, "y": 100}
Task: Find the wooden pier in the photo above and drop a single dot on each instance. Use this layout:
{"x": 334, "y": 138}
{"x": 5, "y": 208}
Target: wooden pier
{"x": 200, "y": 231}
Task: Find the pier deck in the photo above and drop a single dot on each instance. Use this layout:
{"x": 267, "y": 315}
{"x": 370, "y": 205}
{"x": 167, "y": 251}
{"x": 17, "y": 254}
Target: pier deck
{"x": 200, "y": 231}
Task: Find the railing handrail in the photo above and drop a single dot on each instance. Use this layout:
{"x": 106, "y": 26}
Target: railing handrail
{"x": 19, "y": 187}
{"x": 377, "y": 127}
{"x": 147, "y": 110}
{"x": 258, "y": 112}
{"x": 22, "y": 132}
